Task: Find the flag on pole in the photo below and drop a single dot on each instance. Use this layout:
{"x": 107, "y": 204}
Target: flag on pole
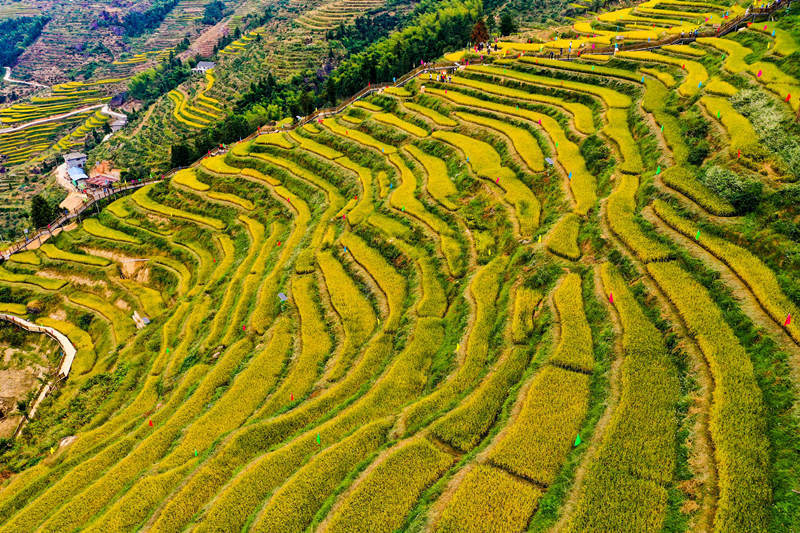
{"x": 150, "y": 422}
{"x": 577, "y": 441}
{"x": 697, "y": 236}
{"x": 319, "y": 441}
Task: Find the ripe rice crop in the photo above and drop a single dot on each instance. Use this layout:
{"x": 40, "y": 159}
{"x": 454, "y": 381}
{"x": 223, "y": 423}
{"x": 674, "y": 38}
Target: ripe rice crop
{"x": 277, "y": 139}
{"x": 313, "y": 146}
{"x": 618, "y": 130}
{"x": 486, "y": 163}
{"x": 525, "y": 302}
{"x": 60, "y": 255}
{"x": 358, "y": 136}
{"x": 582, "y": 67}
{"x": 582, "y": 183}
{"x": 367, "y": 105}
{"x": 397, "y": 91}
{"x": 85, "y": 355}
{"x": 611, "y": 97}
{"x": 152, "y": 303}
{"x": 217, "y": 165}
{"x": 292, "y": 507}
{"x": 435, "y": 116}
{"x": 785, "y": 44}
{"x": 653, "y": 102}
{"x": 388, "y": 118}
{"x": 464, "y": 427}
{"x": 741, "y": 132}
{"x": 524, "y": 143}
{"x": 737, "y": 424}
{"x": 484, "y": 289}
{"x": 381, "y": 500}
{"x": 563, "y": 238}
{"x": 92, "y": 226}
{"x": 664, "y": 77}
{"x": 682, "y": 180}
{"x": 506, "y": 505}
{"x": 574, "y": 350}
{"x": 755, "y": 274}
{"x": 121, "y": 325}
{"x": 13, "y": 309}
{"x": 696, "y": 72}
{"x": 734, "y": 52}
{"x": 244, "y": 203}
{"x": 188, "y": 178}
{"x": 403, "y": 198}
{"x": 620, "y": 212}
{"x": 640, "y": 439}
{"x": 638, "y": 449}
{"x": 684, "y": 49}
{"x": 584, "y": 122}
{"x": 25, "y": 258}
{"x": 45, "y": 283}
{"x": 438, "y": 183}
{"x": 354, "y": 310}
{"x": 391, "y": 283}
{"x": 537, "y": 442}
{"x": 722, "y": 88}
{"x": 141, "y": 199}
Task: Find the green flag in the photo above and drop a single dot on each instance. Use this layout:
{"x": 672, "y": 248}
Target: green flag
{"x": 662, "y": 127}
{"x": 697, "y": 237}
{"x": 195, "y": 453}
{"x": 658, "y": 170}
{"x": 577, "y": 440}
{"x": 318, "y": 440}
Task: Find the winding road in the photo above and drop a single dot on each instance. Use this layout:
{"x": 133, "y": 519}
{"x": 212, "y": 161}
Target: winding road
{"x": 9, "y": 79}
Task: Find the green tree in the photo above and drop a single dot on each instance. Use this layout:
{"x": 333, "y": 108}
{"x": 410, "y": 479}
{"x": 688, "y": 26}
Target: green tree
{"x": 180, "y": 155}
{"x": 41, "y": 212}
{"x": 507, "y": 24}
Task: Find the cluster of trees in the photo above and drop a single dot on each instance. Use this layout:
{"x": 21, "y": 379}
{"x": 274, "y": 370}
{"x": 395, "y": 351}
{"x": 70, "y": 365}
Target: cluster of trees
{"x": 150, "y": 84}
{"x": 432, "y": 33}
{"x": 136, "y": 23}
{"x": 213, "y": 12}
{"x": 16, "y": 34}
{"x": 42, "y": 212}
{"x": 433, "y": 28}
{"x": 365, "y": 30}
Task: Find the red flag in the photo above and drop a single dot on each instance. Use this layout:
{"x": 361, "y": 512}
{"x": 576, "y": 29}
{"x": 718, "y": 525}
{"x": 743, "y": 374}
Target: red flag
{"x": 292, "y": 398}
{"x": 611, "y": 297}
{"x": 244, "y": 328}
{"x": 279, "y": 243}
{"x": 150, "y": 422}
{"x": 788, "y": 97}
{"x": 738, "y": 154}
{"x": 788, "y": 320}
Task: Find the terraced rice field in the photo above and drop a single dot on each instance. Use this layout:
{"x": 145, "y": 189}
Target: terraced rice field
{"x": 330, "y": 15}
{"x": 505, "y": 302}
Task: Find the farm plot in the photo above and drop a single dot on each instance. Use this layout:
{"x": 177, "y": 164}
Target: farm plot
{"x": 446, "y": 309}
